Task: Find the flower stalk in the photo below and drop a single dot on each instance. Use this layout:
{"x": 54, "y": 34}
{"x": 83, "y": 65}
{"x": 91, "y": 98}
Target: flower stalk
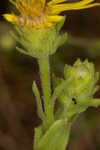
{"x": 46, "y": 87}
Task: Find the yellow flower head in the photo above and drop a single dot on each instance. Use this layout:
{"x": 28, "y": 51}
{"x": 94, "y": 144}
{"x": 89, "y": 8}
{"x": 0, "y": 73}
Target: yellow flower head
{"x": 42, "y": 14}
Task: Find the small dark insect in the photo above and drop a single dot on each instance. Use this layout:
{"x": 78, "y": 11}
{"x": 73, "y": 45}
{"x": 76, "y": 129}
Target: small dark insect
{"x": 74, "y": 100}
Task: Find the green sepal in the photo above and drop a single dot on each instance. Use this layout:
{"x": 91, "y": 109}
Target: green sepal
{"x": 61, "y": 39}
{"x": 60, "y": 24}
{"x": 22, "y": 51}
{"x": 40, "y": 42}
{"x": 15, "y": 36}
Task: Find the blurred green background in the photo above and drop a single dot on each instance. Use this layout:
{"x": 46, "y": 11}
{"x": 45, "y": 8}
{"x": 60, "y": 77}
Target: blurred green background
{"x": 18, "y": 116}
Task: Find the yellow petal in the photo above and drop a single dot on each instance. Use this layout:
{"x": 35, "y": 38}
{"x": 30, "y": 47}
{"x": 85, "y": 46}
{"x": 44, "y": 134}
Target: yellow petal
{"x": 43, "y": 25}
{"x": 43, "y": 3}
{"x": 11, "y": 17}
{"x": 56, "y": 9}
{"x": 88, "y": 6}
{"x": 57, "y": 1}
{"x": 48, "y": 24}
{"x": 54, "y": 18}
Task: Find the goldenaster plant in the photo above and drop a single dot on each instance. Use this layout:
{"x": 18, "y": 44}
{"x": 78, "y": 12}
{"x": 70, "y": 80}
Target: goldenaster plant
{"x": 38, "y": 25}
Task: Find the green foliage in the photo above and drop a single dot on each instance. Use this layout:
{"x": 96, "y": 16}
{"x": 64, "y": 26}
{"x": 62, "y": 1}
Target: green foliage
{"x": 74, "y": 94}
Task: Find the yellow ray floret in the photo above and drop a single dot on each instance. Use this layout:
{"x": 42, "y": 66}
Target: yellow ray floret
{"x": 11, "y": 17}
{"x": 42, "y": 14}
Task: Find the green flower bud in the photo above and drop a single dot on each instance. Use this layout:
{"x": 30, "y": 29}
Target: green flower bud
{"x": 84, "y": 79}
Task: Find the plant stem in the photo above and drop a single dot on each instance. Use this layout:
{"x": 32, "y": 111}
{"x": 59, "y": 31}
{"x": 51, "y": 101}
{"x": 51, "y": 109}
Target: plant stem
{"x": 46, "y": 87}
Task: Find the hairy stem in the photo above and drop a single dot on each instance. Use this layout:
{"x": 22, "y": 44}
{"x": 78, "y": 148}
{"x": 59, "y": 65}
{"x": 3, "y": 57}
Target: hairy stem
{"x": 46, "y": 87}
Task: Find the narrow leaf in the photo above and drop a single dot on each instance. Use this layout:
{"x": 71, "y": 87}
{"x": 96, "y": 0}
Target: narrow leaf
{"x": 39, "y": 102}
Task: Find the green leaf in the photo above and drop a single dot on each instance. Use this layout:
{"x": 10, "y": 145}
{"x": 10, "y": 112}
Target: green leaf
{"x": 94, "y": 102}
{"x": 58, "y": 132}
{"x": 59, "y": 89}
{"x": 82, "y": 106}
{"x": 37, "y": 136}
{"x": 63, "y": 140}
{"x": 39, "y": 102}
